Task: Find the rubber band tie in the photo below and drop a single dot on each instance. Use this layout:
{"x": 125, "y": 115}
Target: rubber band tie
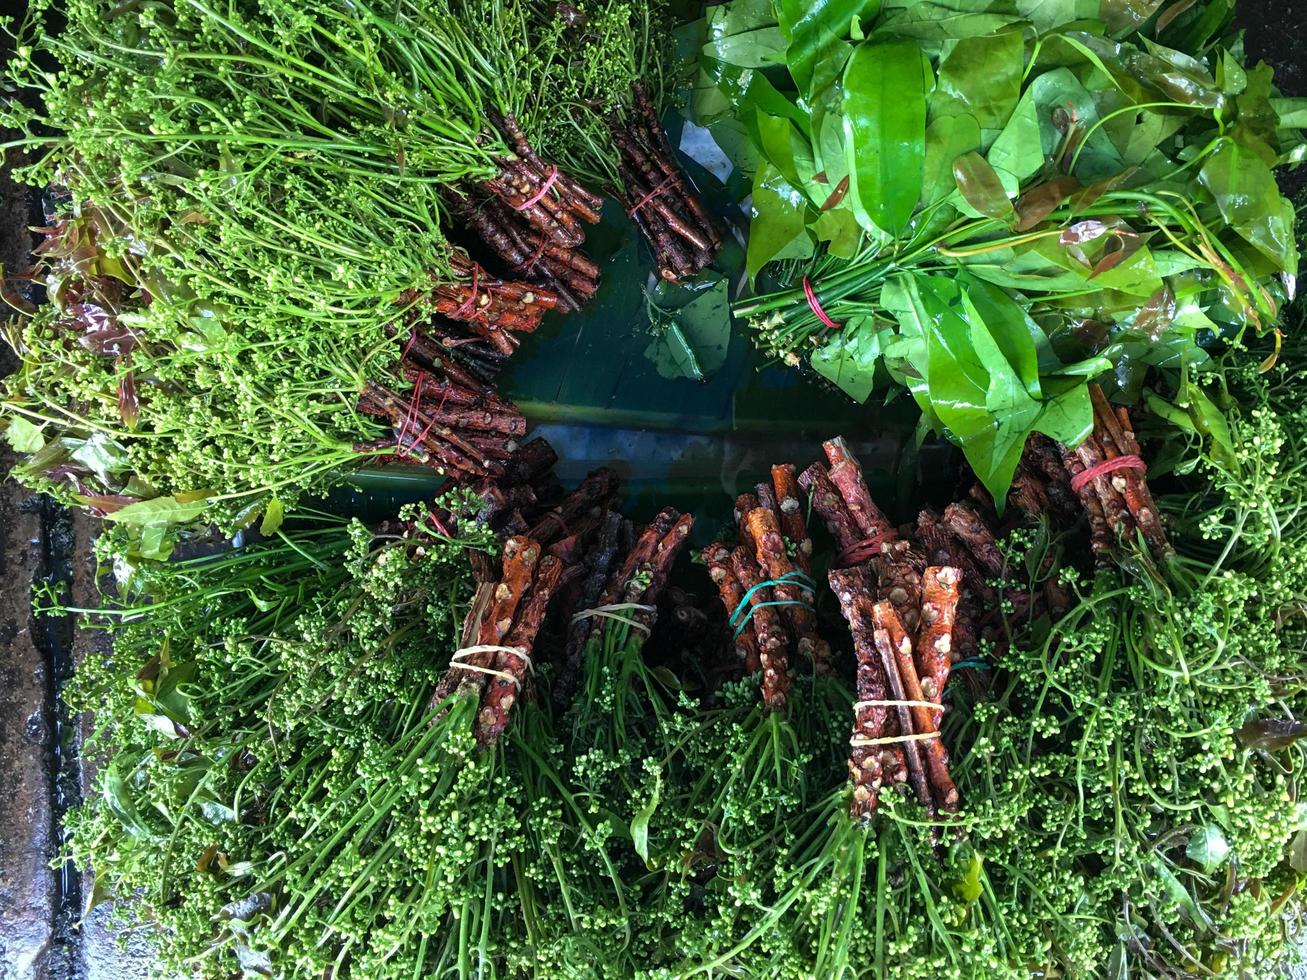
{"x": 410, "y": 417}
{"x": 892, "y": 703}
{"x": 816, "y": 307}
{"x": 868, "y": 547}
{"x": 435, "y": 416}
{"x": 528, "y": 265}
{"x": 1127, "y": 462}
{"x": 795, "y": 577}
{"x": 469, "y": 306}
{"x": 612, "y": 612}
{"x": 538, "y": 196}
{"x": 893, "y": 739}
{"x": 658, "y": 189}
{"x": 973, "y": 664}
{"x": 457, "y": 660}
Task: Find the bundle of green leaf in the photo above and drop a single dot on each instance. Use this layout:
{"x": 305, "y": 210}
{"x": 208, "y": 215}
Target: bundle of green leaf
{"x": 155, "y": 422}
{"x": 992, "y": 206}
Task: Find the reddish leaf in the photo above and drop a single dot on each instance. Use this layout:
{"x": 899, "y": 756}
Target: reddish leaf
{"x": 101, "y": 333}
{"x": 1157, "y": 314}
{"x": 1100, "y": 187}
{"x": 1083, "y": 231}
{"x": 108, "y": 503}
{"x": 1170, "y": 14}
{"x": 1271, "y": 734}
{"x": 1119, "y": 248}
{"x": 837, "y": 195}
{"x": 1042, "y": 200}
{"x": 129, "y": 405}
{"x": 981, "y": 187}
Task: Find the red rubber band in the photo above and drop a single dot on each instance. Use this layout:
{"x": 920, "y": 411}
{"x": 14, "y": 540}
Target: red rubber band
{"x": 530, "y": 264}
{"x": 535, "y": 198}
{"x": 868, "y": 547}
{"x": 439, "y": 408}
{"x": 410, "y": 417}
{"x": 1128, "y": 462}
{"x": 816, "y": 307}
{"x": 468, "y": 309}
{"x": 662, "y": 186}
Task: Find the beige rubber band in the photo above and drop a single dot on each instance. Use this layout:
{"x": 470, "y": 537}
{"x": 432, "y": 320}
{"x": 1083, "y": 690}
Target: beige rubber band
{"x": 892, "y": 704}
{"x": 455, "y": 660}
{"x": 610, "y": 612}
{"x": 891, "y": 739}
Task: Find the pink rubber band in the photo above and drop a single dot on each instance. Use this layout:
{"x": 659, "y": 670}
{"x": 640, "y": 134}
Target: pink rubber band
{"x": 468, "y": 309}
{"x": 662, "y": 186}
{"x": 816, "y": 307}
{"x": 1128, "y": 462}
{"x": 536, "y": 198}
{"x": 868, "y": 547}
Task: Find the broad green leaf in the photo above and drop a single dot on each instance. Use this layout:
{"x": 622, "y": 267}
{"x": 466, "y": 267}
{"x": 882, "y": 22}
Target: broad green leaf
{"x": 980, "y": 186}
{"x": 1018, "y": 152}
{"x": 160, "y": 510}
{"x": 777, "y": 229}
{"x": 1249, "y": 200}
{"x": 947, "y": 138}
{"x": 786, "y": 149}
{"x": 1124, "y": 16}
{"x": 816, "y": 31}
{"x": 1290, "y": 113}
{"x": 848, "y": 358}
{"x": 753, "y": 49}
{"x": 1207, "y": 847}
{"x": 1257, "y": 120}
{"x": 841, "y": 230}
{"x": 936, "y": 23}
{"x": 102, "y": 456}
{"x": 692, "y": 340}
{"x": 885, "y": 131}
{"x": 23, "y": 435}
{"x": 1048, "y": 15}
{"x": 118, "y": 799}
{"x": 1012, "y": 331}
{"x": 981, "y": 78}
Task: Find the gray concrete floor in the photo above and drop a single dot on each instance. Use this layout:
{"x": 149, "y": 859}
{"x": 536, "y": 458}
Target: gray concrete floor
{"x": 40, "y": 772}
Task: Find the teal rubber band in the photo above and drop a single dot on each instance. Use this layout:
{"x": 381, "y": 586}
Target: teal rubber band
{"x": 779, "y": 602}
{"x": 795, "y": 577}
{"x": 973, "y": 664}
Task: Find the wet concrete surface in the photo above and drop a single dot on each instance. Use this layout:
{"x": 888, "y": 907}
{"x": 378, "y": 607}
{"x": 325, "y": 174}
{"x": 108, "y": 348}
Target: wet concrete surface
{"x": 40, "y": 771}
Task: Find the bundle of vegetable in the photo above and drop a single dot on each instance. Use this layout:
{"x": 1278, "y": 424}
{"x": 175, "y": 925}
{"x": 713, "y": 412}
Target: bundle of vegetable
{"x": 609, "y": 66}
{"x": 993, "y": 207}
{"x": 288, "y": 160}
{"x": 148, "y": 420}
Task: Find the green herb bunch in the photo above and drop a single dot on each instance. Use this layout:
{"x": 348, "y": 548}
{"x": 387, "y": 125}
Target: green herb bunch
{"x": 275, "y": 774}
{"x": 992, "y": 206}
{"x": 154, "y": 411}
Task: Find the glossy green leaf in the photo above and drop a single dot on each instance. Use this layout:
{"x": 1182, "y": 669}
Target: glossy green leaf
{"x": 640, "y": 822}
{"x": 981, "y": 78}
{"x": 1123, "y": 16}
{"x": 273, "y": 514}
{"x": 1048, "y": 15}
{"x": 692, "y": 340}
{"x": 1207, "y": 847}
{"x": 885, "y": 131}
{"x": 23, "y": 435}
{"x": 785, "y": 148}
{"x": 947, "y": 138}
{"x": 777, "y": 229}
{"x": 840, "y": 230}
{"x": 161, "y": 510}
{"x": 103, "y": 457}
{"x": 848, "y": 358}
{"x": 757, "y": 48}
{"x": 980, "y": 186}
{"x": 1249, "y": 200}
{"x": 817, "y": 31}
{"x": 1018, "y": 152}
